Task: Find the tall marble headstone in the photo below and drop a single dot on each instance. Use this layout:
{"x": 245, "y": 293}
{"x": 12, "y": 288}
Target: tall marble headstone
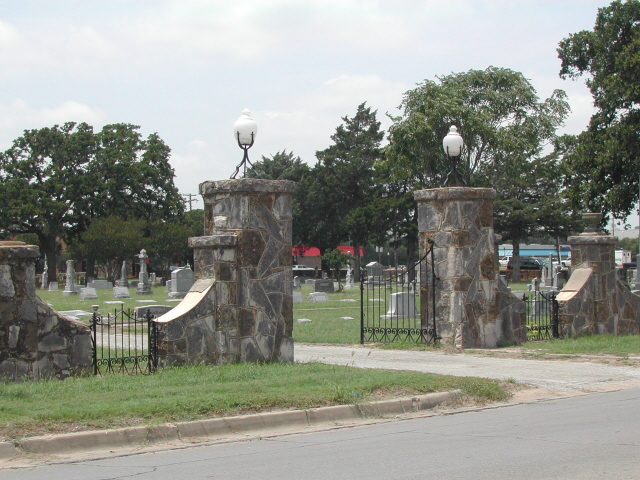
{"x": 70, "y": 287}
{"x": 144, "y": 288}
{"x": 124, "y": 275}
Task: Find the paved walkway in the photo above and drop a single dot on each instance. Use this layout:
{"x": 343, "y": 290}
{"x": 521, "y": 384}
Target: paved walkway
{"x": 558, "y": 375}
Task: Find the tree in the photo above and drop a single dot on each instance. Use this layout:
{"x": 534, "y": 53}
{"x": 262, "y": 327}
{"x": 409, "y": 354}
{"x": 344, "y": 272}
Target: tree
{"x": 335, "y": 260}
{"x": 497, "y": 112}
{"x": 110, "y": 241}
{"x": 605, "y": 155}
{"x": 44, "y": 185}
{"x": 344, "y": 181}
{"x": 287, "y": 166}
{"x": 169, "y": 240}
{"x": 55, "y": 181}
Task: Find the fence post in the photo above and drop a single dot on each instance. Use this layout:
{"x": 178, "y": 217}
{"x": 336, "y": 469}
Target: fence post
{"x": 94, "y": 334}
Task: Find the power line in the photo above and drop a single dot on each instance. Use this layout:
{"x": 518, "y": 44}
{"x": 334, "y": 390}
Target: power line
{"x": 190, "y": 198}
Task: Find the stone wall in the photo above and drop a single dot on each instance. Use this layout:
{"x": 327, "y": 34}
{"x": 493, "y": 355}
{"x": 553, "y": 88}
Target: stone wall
{"x": 472, "y": 307}
{"x": 594, "y": 300}
{"x": 36, "y": 342}
{"x": 241, "y": 306}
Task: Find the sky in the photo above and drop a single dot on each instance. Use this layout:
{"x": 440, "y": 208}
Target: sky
{"x": 187, "y": 68}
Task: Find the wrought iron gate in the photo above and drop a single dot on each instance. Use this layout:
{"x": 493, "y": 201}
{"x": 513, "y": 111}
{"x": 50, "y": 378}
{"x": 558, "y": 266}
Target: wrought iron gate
{"x": 124, "y": 343}
{"x": 542, "y": 315}
{"x": 390, "y": 306}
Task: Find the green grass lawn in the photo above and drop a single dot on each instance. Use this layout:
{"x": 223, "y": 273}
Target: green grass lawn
{"x": 188, "y": 393}
{"x": 605, "y": 344}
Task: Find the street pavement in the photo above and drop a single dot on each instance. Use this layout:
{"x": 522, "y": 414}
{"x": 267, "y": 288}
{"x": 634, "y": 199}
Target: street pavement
{"x": 546, "y": 379}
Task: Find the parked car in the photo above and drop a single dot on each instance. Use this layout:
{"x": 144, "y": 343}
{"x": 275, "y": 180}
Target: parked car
{"x": 526, "y": 263}
{"x": 504, "y": 260}
{"x": 300, "y": 267}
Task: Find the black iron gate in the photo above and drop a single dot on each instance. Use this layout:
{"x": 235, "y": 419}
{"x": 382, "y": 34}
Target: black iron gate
{"x": 390, "y": 306}
{"x": 542, "y": 315}
{"x": 124, "y": 343}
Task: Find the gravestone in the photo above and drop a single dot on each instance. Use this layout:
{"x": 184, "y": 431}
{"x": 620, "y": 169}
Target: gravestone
{"x": 100, "y": 284}
{"x": 318, "y": 297}
{"x": 349, "y": 278}
{"x": 121, "y": 292}
{"x": 323, "y": 285}
{"x": 45, "y": 275}
{"x": 296, "y": 282}
{"x": 144, "y": 288}
{"x": 374, "y": 271}
{"x": 53, "y": 286}
{"x": 88, "y": 293}
{"x": 155, "y": 310}
{"x": 297, "y": 297}
{"x": 182, "y": 280}
{"x": 69, "y": 288}
{"x": 401, "y": 305}
{"x": 124, "y": 276}
{"x": 152, "y": 279}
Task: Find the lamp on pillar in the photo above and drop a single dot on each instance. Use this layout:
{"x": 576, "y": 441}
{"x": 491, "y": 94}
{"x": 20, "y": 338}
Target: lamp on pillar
{"x": 452, "y": 144}
{"x": 245, "y": 131}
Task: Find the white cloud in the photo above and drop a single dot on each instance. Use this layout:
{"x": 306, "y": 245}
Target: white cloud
{"x": 19, "y": 115}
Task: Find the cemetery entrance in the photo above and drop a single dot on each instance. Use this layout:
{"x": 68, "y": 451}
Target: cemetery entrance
{"x": 124, "y": 342}
{"x": 542, "y": 315}
{"x": 390, "y": 304}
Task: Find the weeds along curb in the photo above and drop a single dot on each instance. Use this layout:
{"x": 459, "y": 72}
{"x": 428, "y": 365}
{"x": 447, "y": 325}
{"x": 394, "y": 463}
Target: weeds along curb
{"x": 137, "y": 437}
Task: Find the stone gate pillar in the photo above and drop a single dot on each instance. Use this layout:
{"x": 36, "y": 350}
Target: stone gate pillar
{"x": 240, "y": 308}
{"x": 459, "y": 220}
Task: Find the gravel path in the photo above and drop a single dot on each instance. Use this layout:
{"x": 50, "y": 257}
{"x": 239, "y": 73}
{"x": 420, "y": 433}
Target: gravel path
{"x": 554, "y": 375}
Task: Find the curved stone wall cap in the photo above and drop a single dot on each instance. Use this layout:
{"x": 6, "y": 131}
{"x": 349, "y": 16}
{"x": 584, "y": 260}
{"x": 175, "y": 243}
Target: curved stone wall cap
{"x": 258, "y": 185}
{"x": 14, "y": 249}
{"x": 196, "y": 294}
{"x": 454, "y": 193}
{"x": 592, "y": 239}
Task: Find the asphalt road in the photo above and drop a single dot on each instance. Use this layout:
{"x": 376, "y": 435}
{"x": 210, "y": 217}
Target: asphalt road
{"x": 586, "y": 437}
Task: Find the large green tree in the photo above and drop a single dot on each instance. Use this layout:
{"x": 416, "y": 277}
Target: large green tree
{"x": 497, "y": 112}
{"x": 55, "y": 181}
{"x": 605, "y": 161}
{"x": 345, "y": 181}
{"x": 287, "y": 166}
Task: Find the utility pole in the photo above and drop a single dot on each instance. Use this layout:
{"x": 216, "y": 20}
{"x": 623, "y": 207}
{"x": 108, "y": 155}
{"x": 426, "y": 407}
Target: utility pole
{"x": 190, "y": 198}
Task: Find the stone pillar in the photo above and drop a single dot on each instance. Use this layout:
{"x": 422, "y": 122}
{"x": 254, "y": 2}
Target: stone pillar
{"x": 248, "y": 251}
{"x": 70, "y": 287}
{"x": 35, "y": 341}
{"x": 596, "y": 250}
{"x": 240, "y": 308}
{"x": 459, "y": 220}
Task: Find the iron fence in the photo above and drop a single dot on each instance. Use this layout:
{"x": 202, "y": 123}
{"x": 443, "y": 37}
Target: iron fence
{"x": 542, "y": 315}
{"x": 390, "y": 307}
{"x": 124, "y": 343}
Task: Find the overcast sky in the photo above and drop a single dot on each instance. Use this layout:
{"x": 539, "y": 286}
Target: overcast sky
{"x": 187, "y": 68}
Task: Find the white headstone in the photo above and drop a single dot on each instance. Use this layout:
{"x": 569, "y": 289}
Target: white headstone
{"x": 297, "y": 297}
{"x": 121, "y": 292}
{"x": 182, "y": 280}
{"x": 318, "y": 297}
{"x": 401, "y": 305}
{"x": 53, "y": 286}
{"x": 88, "y": 293}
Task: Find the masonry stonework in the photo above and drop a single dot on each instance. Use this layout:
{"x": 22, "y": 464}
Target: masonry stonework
{"x": 36, "y": 342}
{"x": 240, "y": 308}
{"x": 594, "y": 300}
{"x": 472, "y": 308}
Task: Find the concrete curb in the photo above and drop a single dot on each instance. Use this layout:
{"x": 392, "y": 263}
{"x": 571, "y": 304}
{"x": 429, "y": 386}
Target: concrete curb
{"x": 137, "y": 437}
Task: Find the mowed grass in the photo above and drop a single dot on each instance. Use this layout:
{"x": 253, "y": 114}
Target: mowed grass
{"x": 189, "y": 393}
{"x": 604, "y": 344}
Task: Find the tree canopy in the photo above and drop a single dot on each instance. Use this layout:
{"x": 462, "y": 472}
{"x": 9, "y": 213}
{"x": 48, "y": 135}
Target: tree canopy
{"x": 55, "y": 181}
{"x": 604, "y": 156}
